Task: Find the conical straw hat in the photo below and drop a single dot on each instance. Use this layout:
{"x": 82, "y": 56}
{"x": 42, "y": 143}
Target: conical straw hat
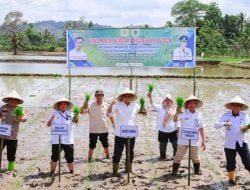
{"x": 13, "y": 95}
{"x": 63, "y": 99}
{"x": 168, "y": 96}
{"x": 192, "y": 97}
{"x": 127, "y": 91}
{"x": 236, "y": 100}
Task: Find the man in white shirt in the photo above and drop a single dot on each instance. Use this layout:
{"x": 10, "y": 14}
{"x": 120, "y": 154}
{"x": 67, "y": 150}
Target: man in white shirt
{"x": 165, "y": 124}
{"x": 234, "y": 122}
{"x": 77, "y": 53}
{"x": 190, "y": 118}
{"x": 124, "y": 112}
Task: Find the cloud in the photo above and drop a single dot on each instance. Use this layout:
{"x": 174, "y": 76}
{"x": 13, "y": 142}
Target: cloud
{"x": 108, "y": 12}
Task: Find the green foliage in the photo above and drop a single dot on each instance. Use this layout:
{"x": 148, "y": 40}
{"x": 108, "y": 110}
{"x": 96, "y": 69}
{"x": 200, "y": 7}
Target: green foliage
{"x": 87, "y": 97}
{"x": 18, "y": 111}
{"x": 157, "y": 77}
{"x": 76, "y": 111}
{"x": 179, "y": 101}
{"x": 248, "y": 126}
{"x": 142, "y": 106}
{"x": 151, "y": 87}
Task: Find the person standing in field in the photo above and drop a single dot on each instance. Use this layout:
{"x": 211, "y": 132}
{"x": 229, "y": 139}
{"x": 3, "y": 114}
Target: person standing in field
{"x": 10, "y": 118}
{"x": 165, "y": 124}
{"x": 124, "y": 112}
{"x": 236, "y": 125}
{"x": 98, "y": 126}
{"x": 190, "y": 118}
{"x": 63, "y": 115}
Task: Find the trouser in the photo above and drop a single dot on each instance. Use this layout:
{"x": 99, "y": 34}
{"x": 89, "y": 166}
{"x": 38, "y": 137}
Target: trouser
{"x": 231, "y": 156}
{"x": 119, "y": 146}
{"x": 103, "y": 137}
{"x": 163, "y": 138}
{"x": 11, "y": 149}
{"x": 68, "y": 152}
{"x": 181, "y": 151}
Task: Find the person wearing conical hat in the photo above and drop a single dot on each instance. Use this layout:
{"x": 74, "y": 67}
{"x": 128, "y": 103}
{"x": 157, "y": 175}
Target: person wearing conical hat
{"x": 236, "y": 125}
{"x": 63, "y": 115}
{"x": 165, "y": 124}
{"x": 8, "y": 117}
{"x": 124, "y": 112}
{"x": 190, "y": 118}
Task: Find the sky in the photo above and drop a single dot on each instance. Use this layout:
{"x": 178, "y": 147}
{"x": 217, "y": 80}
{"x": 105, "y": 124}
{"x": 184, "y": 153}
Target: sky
{"x": 114, "y": 13}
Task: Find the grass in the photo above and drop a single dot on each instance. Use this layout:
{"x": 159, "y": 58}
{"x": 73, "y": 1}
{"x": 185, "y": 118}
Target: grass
{"x": 224, "y": 59}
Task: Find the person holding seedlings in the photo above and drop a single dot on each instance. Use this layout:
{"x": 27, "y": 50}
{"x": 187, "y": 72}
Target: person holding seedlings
{"x": 165, "y": 124}
{"x": 63, "y": 115}
{"x": 11, "y": 114}
{"x": 124, "y": 112}
{"x": 236, "y": 125}
{"x": 98, "y": 126}
{"x": 190, "y": 118}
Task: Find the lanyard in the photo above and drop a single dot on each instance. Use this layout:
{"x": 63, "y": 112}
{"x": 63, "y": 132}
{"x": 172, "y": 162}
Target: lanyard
{"x": 67, "y": 116}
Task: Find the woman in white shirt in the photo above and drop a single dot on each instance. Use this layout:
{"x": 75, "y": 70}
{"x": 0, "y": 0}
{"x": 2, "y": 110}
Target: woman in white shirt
{"x": 63, "y": 115}
{"x": 165, "y": 124}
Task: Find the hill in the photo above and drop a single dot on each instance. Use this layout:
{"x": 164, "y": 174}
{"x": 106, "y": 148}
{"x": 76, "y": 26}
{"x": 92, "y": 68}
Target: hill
{"x": 57, "y": 28}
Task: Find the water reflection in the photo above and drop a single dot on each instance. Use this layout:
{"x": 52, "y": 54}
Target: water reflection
{"x": 36, "y": 68}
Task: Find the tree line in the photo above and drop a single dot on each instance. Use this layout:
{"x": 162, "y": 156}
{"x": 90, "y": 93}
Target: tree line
{"x": 217, "y": 35}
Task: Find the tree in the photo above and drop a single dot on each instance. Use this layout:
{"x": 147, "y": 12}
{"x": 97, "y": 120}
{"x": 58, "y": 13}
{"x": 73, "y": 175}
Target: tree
{"x": 12, "y": 26}
{"x": 187, "y": 12}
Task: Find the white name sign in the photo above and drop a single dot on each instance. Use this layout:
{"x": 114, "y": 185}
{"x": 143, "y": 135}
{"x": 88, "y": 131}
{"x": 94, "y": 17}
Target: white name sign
{"x": 190, "y": 133}
{"x": 59, "y": 129}
{"x": 128, "y": 131}
{"x": 5, "y": 129}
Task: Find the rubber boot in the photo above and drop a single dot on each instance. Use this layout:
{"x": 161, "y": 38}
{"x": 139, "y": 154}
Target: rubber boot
{"x": 115, "y": 169}
{"x": 175, "y": 169}
{"x": 197, "y": 170}
{"x": 162, "y": 148}
{"x": 128, "y": 168}
{"x": 11, "y": 166}
{"x": 231, "y": 176}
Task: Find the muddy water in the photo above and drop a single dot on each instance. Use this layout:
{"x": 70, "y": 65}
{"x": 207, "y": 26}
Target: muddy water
{"x": 33, "y": 153}
{"x": 36, "y": 68}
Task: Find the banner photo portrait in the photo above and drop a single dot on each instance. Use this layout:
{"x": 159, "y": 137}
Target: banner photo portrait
{"x": 119, "y": 47}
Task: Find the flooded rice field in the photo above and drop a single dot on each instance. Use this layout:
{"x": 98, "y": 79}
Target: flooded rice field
{"x": 34, "y": 148}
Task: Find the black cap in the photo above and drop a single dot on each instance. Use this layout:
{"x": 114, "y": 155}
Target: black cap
{"x": 97, "y": 92}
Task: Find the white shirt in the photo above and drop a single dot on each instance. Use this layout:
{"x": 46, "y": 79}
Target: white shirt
{"x": 170, "y": 126}
{"x": 190, "y": 120}
{"x": 233, "y": 134}
{"x": 182, "y": 54}
{"x": 124, "y": 115}
{"x": 77, "y": 55}
{"x": 61, "y": 119}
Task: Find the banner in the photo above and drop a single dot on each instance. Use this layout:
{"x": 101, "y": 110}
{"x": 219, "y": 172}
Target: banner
{"x": 148, "y": 47}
